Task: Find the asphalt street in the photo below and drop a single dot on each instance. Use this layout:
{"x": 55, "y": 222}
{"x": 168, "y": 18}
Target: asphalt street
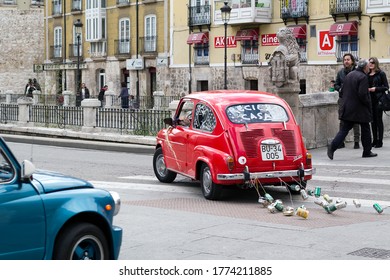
{"x": 175, "y": 222}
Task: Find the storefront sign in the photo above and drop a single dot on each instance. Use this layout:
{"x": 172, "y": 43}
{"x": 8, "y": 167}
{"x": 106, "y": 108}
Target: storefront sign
{"x": 326, "y": 44}
{"x": 219, "y": 42}
{"x": 269, "y": 40}
{"x": 67, "y": 66}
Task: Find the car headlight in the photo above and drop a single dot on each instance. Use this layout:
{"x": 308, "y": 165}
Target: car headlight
{"x": 117, "y": 200}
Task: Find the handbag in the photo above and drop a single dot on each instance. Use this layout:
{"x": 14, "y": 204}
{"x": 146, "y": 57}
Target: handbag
{"x": 384, "y": 102}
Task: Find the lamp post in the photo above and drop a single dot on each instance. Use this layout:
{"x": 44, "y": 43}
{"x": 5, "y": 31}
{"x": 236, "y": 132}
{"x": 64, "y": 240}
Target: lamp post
{"x": 225, "y": 14}
{"x": 78, "y": 26}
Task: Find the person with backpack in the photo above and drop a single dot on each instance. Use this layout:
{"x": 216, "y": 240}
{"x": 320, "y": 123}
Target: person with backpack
{"x": 378, "y": 85}
{"x": 101, "y": 93}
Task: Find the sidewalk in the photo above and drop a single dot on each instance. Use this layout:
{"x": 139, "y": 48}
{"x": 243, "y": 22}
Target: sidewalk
{"x": 78, "y": 139}
{"x": 350, "y": 156}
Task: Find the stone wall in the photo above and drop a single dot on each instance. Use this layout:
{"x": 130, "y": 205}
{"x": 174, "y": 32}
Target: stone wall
{"x": 21, "y": 46}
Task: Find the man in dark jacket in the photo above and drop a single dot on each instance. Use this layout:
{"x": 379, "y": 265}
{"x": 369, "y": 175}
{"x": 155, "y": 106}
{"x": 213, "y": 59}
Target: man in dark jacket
{"x": 356, "y": 108}
{"x": 348, "y": 66}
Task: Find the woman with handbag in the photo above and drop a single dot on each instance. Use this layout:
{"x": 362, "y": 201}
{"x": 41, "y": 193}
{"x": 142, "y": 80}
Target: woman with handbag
{"x": 378, "y": 85}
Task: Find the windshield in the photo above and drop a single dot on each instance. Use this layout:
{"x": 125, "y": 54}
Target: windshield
{"x": 256, "y": 113}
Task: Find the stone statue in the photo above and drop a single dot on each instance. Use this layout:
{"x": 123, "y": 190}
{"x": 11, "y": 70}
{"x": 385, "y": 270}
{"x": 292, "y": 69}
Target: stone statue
{"x": 285, "y": 59}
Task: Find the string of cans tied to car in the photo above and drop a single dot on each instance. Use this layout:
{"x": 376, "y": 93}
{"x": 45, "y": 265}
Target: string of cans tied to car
{"x": 328, "y": 203}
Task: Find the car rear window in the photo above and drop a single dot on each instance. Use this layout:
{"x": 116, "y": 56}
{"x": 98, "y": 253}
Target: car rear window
{"x": 256, "y": 113}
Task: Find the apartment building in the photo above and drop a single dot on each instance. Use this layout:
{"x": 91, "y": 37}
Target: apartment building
{"x": 324, "y": 30}
{"x": 117, "y": 41}
{"x": 178, "y": 46}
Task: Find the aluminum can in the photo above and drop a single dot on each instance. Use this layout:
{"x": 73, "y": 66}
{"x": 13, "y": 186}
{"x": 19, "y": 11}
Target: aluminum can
{"x": 330, "y": 208}
{"x": 294, "y": 187}
{"x": 378, "y": 208}
{"x": 269, "y": 198}
{"x": 356, "y": 203}
{"x": 310, "y": 192}
{"x": 278, "y": 204}
{"x": 304, "y": 213}
{"x": 317, "y": 192}
{"x": 263, "y": 202}
{"x": 271, "y": 208}
{"x": 288, "y": 211}
{"x": 304, "y": 194}
{"x": 327, "y": 198}
{"x": 321, "y": 202}
{"x": 341, "y": 204}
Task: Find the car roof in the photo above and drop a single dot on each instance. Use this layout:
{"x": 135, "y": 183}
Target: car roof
{"x": 223, "y": 98}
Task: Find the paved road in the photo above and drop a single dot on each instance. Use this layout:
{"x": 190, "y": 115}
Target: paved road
{"x": 174, "y": 222}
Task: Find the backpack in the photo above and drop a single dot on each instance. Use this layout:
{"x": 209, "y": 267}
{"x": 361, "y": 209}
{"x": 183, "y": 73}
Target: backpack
{"x": 384, "y": 102}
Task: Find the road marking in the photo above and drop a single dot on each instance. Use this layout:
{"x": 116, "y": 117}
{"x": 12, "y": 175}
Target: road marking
{"x": 370, "y": 181}
{"x": 143, "y": 187}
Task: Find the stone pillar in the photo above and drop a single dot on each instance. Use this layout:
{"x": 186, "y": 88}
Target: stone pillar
{"x": 109, "y": 96}
{"x": 89, "y": 106}
{"x": 24, "y": 104}
{"x": 36, "y": 94}
{"x": 66, "y": 94}
{"x": 158, "y": 95}
{"x": 290, "y": 94}
{"x": 8, "y": 96}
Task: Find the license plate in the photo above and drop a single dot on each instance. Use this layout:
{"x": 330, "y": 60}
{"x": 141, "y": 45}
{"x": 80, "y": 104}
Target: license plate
{"x": 272, "y": 152}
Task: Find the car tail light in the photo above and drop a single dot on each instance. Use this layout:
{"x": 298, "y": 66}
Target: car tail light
{"x": 230, "y": 163}
{"x": 308, "y": 159}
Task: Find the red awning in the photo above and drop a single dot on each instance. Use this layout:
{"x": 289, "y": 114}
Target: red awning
{"x": 197, "y": 38}
{"x": 247, "y": 34}
{"x": 344, "y": 28}
{"x": 298, "y": 30}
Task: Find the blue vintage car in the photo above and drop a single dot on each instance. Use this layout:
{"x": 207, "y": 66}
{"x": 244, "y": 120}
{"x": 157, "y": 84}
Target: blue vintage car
{"x": 47, "y": 215}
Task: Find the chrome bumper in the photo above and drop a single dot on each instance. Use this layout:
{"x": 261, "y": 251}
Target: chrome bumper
{"x": 265, "y": 175}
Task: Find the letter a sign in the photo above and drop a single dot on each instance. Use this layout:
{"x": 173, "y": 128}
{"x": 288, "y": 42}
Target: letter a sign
{"x": 326, "y": 43}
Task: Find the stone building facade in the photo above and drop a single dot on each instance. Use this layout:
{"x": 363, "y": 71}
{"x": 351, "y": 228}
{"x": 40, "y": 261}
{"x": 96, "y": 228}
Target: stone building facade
{"x": 21, "y": 46}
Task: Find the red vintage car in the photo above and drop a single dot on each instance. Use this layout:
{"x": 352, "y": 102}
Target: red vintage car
{"x": 233, "y": 138}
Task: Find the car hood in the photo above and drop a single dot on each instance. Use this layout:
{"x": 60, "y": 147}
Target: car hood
{"x": 54, "y": 181}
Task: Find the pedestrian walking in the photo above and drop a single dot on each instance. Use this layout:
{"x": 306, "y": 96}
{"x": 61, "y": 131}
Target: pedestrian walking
{"x": 356, "y": 109}
{"x": 124, "y": 96}
{"x": 101, "y": 94}
{"x": 378, "y": 85}
{"x": 82, "y": 94}
{"x": 349, "y": 65}
{"x": 29, "y": 88}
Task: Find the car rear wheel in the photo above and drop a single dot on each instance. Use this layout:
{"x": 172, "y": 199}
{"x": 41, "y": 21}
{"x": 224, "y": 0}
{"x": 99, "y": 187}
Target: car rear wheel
{"x": 160, "y": 170}
{"x": 210, "y": 190}
{"x": 82, "y": 241}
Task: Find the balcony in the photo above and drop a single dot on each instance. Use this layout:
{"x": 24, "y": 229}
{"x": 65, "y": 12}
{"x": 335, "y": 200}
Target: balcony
{"x": 73, "y": 52}
{"x": 76, "y": 6}
{"x": 149, "y": 45}
{"x": 98, "y": 50}
{"x": 122, "y": 48}
{"x": 199, "y": 16}
{"x": 55, "y": 53}
{"x": 345, "y": 8}
{"x": 377, "y": 7}
{"x": 294, "y": 10}
{"x": 245, "y": 11}
{"x": 122, "y": 3}
{"x": 56, "y": 9}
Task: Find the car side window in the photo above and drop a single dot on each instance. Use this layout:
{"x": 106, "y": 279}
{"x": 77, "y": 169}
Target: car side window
{"x": 7, "y": 172}
{"x": 185, "y": 114}
{"x": 204, "y": 118}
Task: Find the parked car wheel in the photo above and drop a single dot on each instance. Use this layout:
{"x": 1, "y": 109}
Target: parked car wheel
{"x": 160, "y": 170}
{"x": 210, "y": 190}
{"x": 81, "y": 242}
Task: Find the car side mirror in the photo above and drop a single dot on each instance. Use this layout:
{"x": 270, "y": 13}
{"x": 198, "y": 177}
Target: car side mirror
{"x": 28, "y": 169}
{"x": 168, "y": 121}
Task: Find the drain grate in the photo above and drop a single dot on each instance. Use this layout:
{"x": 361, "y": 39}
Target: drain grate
{"x": 372, "y": 253}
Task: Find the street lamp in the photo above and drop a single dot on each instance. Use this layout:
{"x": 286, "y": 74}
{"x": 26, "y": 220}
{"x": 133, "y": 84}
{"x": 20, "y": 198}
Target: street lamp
{"x": 225, "y": 14}
{"x": 78, "y": 27}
